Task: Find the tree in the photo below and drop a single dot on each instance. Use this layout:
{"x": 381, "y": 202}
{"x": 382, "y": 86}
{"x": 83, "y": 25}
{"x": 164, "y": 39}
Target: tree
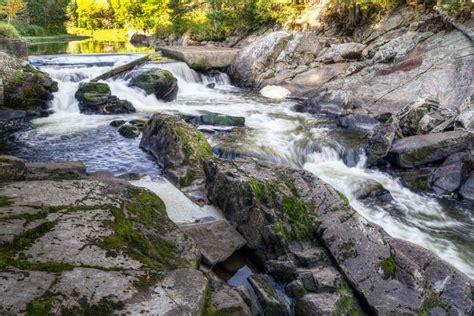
{"x": 12, "y": 8}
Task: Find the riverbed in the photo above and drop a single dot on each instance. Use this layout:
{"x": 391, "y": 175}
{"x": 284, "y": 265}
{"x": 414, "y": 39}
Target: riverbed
{"x": 273, "y": 132}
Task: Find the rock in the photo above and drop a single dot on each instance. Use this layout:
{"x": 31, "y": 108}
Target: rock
{"x": 11, "y": 168}
{"x": 271, "y": 303}
{"x": 138, "y": 123}
{"x": 255, "y": 59}
{"x": 227, "y": 301}
{"x": 340, "y": 52}
{"x": 415, "y": 118}
{"x": 249, "y": 193}
{"x": 466, "y": 120}
{"x": 202, "y": 58}
{"x": 331, "y": 103}
{"x": 295, "y": 289}
{"x": 418, "y": 150}
{"x": 467, "y": 189}
{"x": 87, "y": 247}
{"x": 12, "y": 115}
{"x": 96, "y": 98}
{"x": 27, "y": 88}
{"x": 215, "y": 119}
{"x": 274, "y": 92}
{"x": 55, "y": 170}
{"x": 358, "y": 123}
{"x": 317, "y": 77}
{"x": 222, "y": 120}
{"x": 321, "y": 279}
{"x": 217, "y": 240}
{"x": 129, "y": 131}
{"x": 379, "y": 142}
{"x": 177, "y": 146}
{"x": 159, "y": 82}
{"x": 211, "y": 85}
{"x": 117, "y": 123}
{"x": 31, "y": 285}
{"x": 140, "y": 39}
{"x": 323, "y": 304}
{"x": 449, "y": 176}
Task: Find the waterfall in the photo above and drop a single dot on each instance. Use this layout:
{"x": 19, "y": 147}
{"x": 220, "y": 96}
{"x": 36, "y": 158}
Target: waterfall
{"x": 274, "y": 132}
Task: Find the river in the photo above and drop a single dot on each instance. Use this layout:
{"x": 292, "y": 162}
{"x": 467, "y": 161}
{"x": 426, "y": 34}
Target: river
{"x": 273, "y": 132}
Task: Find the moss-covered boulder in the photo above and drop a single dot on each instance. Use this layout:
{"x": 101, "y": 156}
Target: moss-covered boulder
{"x": 178, "y": 147}
{"x": 129, "y": 131}
{"x": 96, "y": 98}
{"x": 159, "y": 82}
{"x": 25, "y": 87}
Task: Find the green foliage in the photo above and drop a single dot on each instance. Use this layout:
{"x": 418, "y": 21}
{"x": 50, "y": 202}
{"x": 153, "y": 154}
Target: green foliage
{"x": 389, "y": 267}
{"x": 8, "y": 31}
{"x": 40, "y": 306}
{"x": 30, "y": 30}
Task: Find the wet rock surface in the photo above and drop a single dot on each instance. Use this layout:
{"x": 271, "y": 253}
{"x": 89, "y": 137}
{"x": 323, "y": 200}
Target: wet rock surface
{"x": 178, "y": 147}
{"x": 96, "y": 98}
{"x": 159, "y": 82}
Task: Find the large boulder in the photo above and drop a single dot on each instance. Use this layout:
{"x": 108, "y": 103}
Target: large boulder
{"x": 418, "y": 150}
{"x": 177, "y": 146}
{"x": 25, "y": 87}
{"x": 331, "y": 103}
{"x": 256, "y": 58}
{"x": 340, "y": 52}
{"x": 274, "y": 207}
{"x": 159, "y": 82}
{"x": 96, "y": 98}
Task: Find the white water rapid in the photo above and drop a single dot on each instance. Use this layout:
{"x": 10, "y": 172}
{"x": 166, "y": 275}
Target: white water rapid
{"x": 273, "y": 132}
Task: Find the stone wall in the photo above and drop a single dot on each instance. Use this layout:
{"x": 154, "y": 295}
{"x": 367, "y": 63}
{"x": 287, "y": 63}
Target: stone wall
{"x": 16, "y": 47}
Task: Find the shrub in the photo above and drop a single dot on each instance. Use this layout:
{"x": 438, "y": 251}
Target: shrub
{"x": 29, "y": 30}
{"x": 8, "y": 31}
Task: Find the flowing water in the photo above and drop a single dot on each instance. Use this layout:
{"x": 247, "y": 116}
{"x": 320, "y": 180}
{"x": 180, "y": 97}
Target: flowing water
{"x": 273, "y": 132}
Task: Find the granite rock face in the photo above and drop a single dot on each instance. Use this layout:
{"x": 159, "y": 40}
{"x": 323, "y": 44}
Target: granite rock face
{"x": 84, "y": 246}
{"x": 285, "y": 215}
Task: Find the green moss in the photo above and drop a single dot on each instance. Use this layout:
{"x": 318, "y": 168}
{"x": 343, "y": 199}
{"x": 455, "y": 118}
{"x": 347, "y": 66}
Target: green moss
{"x": 347, "y": 305}
{"x": 257, "y": 189}
{"x": 40, "y": 306}
{"x": 135, "y": 231}
{"x": 343, "y": 197}
{"x": 347, "y": 250}
{"x": 297, "y": 211}
{"x": 389, "y": 267}
{"x": 5, "y": 201}
{"x": 417, "y": 155}
{"x": 421, "y": 184}
{"x": 431, "y": 301}
{"x": 9, "y": 251}
{"x": 209, "y": 309}
{"x": 103, "y": 308}
{"x": 188, "y": 178}
{"x": 194, "y": 143}
{"x": 168, "y": 75}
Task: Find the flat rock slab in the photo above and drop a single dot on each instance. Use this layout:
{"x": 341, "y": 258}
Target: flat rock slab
{"x": 55, "y": 170}
{"x": 18, "y": 288}
{"x": 202, "y": 58}
{"x": 217, "y": 240}
{"x": 418, "y": 150}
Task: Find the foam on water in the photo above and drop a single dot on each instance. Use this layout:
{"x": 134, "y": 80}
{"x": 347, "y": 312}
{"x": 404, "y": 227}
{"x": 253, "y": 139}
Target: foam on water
{"x": 275, "y": 132}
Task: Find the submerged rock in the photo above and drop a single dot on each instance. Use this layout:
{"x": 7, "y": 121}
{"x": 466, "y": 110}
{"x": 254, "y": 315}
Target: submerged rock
{"x": 117, "y": 123}
{"x": 129, "y": 131}
{"x": 178, "y": 147}
{"x": 215, "y": 119}
{"x": 418, "y": 150}
{"x": 96, "y": 98}
{"x": 159, "y": 82}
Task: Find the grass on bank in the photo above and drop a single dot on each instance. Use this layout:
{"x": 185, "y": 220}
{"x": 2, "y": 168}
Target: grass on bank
{"x": 8, "y": 31}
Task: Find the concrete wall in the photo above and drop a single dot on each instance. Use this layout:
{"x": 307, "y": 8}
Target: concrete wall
{"x": 15, "y": 47}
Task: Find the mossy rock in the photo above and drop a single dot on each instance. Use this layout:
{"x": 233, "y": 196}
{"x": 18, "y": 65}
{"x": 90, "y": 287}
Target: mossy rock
{"x": 159, "y": 82}
{"x": 178, "y": 147}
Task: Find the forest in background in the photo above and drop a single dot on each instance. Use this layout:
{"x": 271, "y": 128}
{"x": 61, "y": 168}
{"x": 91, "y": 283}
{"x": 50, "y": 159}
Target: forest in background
{"x": 201, "y": 19}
